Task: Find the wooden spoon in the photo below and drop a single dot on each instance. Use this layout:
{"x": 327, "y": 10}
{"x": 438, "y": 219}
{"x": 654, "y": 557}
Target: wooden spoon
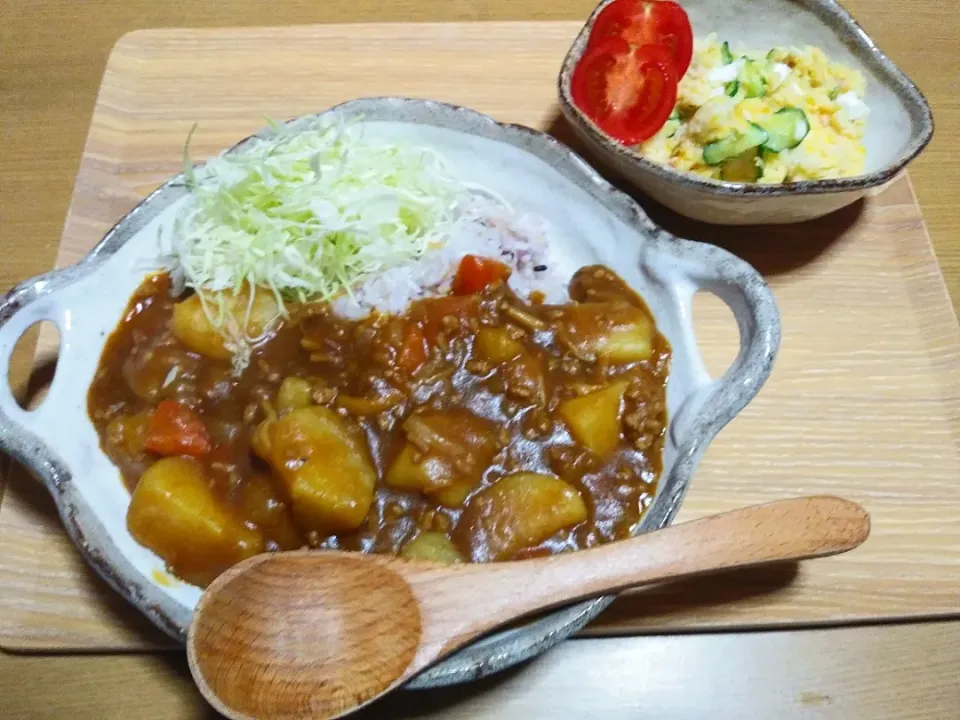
{"x": 318, "y": 634}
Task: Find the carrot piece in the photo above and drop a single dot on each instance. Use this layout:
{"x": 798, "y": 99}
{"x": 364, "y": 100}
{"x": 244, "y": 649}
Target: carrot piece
{"x": 475, "y": 273}
{"x": 175, "y": 429}
{"x": 413, "y": 351}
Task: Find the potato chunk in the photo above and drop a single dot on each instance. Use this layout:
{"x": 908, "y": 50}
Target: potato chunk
{"x": 522, "y": 372}
{"x": 410, "y": 470}
{"x": 465, "y": 438}
{"x": 192, "y": 328}
{"x": 326, "y": 467}
{"x": 617, "y": 331}
{"x": 432, "y": 475}
{"x": 294, "y": 392}
{"x": 594, "y": 419}
{"x": 174, "y": 512}
{"x": 432, "y": 547}
{"x": 446, "y": 456}
{"x": 519, "y": 511}
{"x": 496, "y": 345}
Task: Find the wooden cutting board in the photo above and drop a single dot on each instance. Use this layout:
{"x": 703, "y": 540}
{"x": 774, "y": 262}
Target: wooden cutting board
{"x": 864, "y": 401}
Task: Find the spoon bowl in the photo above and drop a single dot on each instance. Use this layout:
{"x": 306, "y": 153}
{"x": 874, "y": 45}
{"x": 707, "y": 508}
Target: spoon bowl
{"x": 319, "y": 634}
{"x": 333, "y": 645}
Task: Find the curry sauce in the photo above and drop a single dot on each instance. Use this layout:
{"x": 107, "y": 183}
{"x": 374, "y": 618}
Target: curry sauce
{"x": 474, "y": 427}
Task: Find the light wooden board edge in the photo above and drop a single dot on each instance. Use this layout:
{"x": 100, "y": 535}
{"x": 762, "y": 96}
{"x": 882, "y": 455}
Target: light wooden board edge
{"x": 122, "y": 194}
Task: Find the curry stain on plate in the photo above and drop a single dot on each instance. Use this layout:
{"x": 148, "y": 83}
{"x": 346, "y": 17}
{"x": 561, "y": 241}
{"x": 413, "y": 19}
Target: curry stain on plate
{"x": 162, "y": 578}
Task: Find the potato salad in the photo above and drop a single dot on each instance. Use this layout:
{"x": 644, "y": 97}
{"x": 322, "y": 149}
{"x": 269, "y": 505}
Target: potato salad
{"x": 781, "y": 115}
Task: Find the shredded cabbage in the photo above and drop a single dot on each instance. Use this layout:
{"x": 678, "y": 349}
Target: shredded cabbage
{"x": 308, "y": 213}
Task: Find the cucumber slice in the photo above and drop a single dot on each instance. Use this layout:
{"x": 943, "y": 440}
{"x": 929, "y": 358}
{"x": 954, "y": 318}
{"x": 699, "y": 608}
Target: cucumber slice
{"x": 752, "y": 80}
{"x": 777, "y": 54}
{"x": 719, "y": 150}
{"x": 673, "y": 123}
{"x": 786, "y": 129}
{"x": 745, "y": 167}
{"x": 725, "y": 53}
{"x": 731, "y": 88}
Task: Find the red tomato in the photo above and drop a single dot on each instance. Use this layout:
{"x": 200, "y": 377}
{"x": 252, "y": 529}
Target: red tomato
{"x": 628, "y": 93}
{"x": 648, "y": 22}
{"x": 175, "y": 429}
{"x": 475, "y": 273}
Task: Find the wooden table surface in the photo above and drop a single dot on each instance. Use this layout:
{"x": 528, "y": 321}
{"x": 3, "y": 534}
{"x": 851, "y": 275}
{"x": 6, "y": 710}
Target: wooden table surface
{"x": 52, "y": 53}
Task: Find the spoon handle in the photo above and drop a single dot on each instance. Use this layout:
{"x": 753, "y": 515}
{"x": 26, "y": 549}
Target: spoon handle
{"x": 785, "y": 530}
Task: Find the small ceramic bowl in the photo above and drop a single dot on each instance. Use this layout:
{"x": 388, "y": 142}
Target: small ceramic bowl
{"x": 899, "y": 126}
{"x": 591, "y": 223}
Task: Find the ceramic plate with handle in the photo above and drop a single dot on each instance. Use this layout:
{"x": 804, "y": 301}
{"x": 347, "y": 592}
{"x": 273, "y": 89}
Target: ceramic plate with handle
{"x": 596, "y": 224}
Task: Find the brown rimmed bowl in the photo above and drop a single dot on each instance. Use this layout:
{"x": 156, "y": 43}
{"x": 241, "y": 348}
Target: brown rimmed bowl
{"x": 899, "y": 126}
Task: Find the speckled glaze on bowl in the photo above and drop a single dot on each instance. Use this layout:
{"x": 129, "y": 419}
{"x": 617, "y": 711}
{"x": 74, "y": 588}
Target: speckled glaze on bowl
{"x": 591, "y": 221}
{"x": 899, "y": 127}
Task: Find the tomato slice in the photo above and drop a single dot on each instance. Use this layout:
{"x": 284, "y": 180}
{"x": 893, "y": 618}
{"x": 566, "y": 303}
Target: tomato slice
{"x": 648, "y": 22}
{"x": 475, "y": 273}
{"x": 628, "y": 93}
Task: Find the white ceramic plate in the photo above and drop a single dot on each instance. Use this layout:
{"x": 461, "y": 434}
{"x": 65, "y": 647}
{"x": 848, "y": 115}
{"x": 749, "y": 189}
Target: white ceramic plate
{"x": 592, "y": 223}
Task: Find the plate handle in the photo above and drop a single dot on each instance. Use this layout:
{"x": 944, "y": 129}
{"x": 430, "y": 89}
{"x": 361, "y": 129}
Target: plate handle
{"x": 746, "y": 293}
{"x": 28, "y": 303}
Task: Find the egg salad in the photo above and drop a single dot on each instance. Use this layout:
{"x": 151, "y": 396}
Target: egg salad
{"x": 778, "y": 116}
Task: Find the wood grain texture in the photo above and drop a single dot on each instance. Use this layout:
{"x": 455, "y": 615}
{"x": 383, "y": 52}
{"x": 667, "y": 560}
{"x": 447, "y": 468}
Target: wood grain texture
{"x": 280, "y": 640}
{"x": 53, "y": 55}
{"x": 882, "y": 673}
{"x": 289, "y": 635}
{"x": 864, "y": 401}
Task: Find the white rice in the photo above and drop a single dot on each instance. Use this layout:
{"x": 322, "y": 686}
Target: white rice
{"x": 485, "y": 228}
